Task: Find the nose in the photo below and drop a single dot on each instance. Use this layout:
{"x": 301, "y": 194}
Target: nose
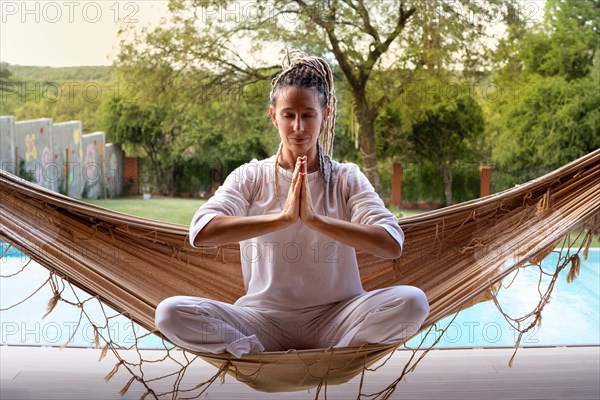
{"x": 298, "y": 124}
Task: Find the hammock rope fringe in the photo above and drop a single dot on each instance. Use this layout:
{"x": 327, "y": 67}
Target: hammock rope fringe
{"x": 458, "y": 255}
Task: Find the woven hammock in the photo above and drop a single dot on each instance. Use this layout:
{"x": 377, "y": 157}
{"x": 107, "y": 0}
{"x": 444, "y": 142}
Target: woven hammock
{"x": 457, "y": 255}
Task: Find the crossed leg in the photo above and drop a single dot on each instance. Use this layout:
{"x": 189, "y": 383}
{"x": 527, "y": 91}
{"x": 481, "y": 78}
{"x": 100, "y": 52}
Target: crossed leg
{"x": 385, "y": 315}
{"x": 211, "y": 326}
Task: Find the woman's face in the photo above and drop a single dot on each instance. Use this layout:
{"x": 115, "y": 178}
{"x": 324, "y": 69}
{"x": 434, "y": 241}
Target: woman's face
{"x": 298, "y": 116}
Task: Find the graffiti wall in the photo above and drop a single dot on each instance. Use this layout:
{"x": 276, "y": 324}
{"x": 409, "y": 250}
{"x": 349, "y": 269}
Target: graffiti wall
{"x": 61, "y": 158}
{"x": 67, "y": 149}
{"x": 7, "y": 144}
{"x": 93, "y": 165}
{"x": 113, "y": 169}
{"x": 34, "y": 156}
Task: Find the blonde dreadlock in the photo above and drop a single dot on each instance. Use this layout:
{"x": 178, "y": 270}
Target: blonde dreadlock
{"x": 301, "y": 70}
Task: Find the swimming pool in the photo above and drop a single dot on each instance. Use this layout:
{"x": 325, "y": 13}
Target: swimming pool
{"x": 572, "y": 316}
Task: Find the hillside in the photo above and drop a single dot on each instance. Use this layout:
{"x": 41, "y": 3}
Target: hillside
{"x": 60, "y": 93}
{"x": 24, "y": 73}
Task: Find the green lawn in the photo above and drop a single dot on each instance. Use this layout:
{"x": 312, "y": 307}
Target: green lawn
{"x": 179, "y": 211}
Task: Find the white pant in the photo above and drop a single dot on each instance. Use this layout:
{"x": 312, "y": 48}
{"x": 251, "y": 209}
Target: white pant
{"x": 386, "y": 315}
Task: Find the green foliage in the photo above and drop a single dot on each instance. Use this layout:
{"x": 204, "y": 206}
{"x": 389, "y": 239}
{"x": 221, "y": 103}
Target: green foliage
{"x": 345, "y": 141}
{"x": 5, "y": 79}
{"x": 567, "y": 41}
{"x": 193, "y": 177}
{"x": 134, "y": 124}
{"x": 233, "y": 125}
{"x": 443, "y": 133}
{"x": 150, "y": 128}
{"x": 445, "y": 128}
{"x": 555, "y": 117}
{"x": 436, "y": 126}
{"x": 187, "y": 118}
{"x": 423, "y": 183}
{"x": 557, "y": 124}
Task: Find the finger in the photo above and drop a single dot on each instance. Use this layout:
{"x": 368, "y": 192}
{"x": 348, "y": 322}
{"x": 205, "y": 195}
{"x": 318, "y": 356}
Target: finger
{"x": 298, "y": 193}
{"x": 301, "y": 180}
{"x": 297, "y": 170}
{"x": 306, "y": 189}
{"x": 298, "y": 185}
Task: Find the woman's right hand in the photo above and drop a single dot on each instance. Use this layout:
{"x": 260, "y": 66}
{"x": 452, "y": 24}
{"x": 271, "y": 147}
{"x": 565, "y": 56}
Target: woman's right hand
{"x": 291, "y": 211}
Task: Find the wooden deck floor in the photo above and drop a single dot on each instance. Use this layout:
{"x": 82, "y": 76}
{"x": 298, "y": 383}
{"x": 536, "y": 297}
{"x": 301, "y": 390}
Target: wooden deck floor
{"x": 537, "y": 373}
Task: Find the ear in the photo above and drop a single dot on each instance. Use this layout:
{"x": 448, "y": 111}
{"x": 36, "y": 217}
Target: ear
{"x": 273, "y": 116}
{"x": 326, "y": 113}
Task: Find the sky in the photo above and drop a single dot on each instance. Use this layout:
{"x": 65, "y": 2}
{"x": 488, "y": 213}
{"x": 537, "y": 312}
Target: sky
{"x": 62, "y": 33}
{"x": 70, "y": 32}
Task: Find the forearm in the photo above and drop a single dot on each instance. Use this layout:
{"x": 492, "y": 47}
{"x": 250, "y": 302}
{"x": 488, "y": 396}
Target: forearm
{"x": 223, "y": 229}
{"x": 372, "y": 239}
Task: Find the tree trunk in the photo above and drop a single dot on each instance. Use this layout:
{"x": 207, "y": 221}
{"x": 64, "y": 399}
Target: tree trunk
{"x": 366, "y": 138}
{"x": 158, "y": 177}
{"x": 170, "y": 178}
{"x": 156, "y": 167}
{"x": 447, "y": 176}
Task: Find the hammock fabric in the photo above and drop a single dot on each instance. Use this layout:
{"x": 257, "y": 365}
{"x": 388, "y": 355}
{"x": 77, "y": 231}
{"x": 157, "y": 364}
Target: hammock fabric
{"x": 457, "y": 255}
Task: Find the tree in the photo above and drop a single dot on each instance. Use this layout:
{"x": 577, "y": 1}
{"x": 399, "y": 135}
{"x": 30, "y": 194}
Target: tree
{"x": 362, "y": 37}
{"x": 554, "y": 115}
{"x": 5, "y": 80}
{"x": 148, "y": 127}
{"x": 199, "y": 117}
{"x": 148, "y": 114}
{"x": 8, "y": 102}
{"x": 566, "y": 43}
{"x": 557, "y": 123}
{"x": 444, "y": 132}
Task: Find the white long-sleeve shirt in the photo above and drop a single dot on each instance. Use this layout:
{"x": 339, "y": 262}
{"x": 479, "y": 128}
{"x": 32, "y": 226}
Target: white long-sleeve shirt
{"x": 296, "y": 267}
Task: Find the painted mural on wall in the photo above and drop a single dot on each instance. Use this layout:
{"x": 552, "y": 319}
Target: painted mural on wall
{"x": 113, "y": 169}
{"x": 93, "y": 166}
{"x": 7, "y": 143}
{"x": 60, "y": 158}
{"x": 34, "y": 157}
{"x": 67, "y": 151}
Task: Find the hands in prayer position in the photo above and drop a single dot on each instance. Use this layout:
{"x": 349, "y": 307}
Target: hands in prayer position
{"x": 299, "y": 201}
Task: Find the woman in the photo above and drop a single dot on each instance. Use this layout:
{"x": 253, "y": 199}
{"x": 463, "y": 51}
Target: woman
{"x": 298, "y": 216}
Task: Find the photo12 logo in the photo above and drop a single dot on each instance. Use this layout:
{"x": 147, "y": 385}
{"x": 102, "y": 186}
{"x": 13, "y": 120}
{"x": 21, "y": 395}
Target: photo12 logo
{"x": 480, "y": 334}
{"x": 53, "y": 92}
{"x": 59, "y": 333}
{"x": 68, "y": 11}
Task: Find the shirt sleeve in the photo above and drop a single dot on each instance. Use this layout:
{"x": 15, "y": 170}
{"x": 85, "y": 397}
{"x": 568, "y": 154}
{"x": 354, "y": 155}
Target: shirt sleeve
{"x": 232, "y": 198}
{"x": 366, "y": 207}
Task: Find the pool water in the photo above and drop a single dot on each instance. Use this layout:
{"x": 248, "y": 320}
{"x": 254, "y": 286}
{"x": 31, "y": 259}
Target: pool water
{"x": 572, "y": 317}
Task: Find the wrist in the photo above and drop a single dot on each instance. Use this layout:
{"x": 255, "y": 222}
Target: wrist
{"x": 314, "y": 221}
{"x": 286, "y": 219}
